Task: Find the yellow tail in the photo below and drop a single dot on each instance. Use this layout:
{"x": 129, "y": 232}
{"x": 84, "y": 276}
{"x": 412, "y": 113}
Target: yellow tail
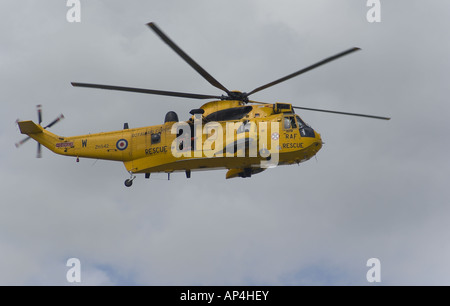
{"x": 29, "y": 127}
{"x": 98, "y": 146}
{"x": 38, "y": 133}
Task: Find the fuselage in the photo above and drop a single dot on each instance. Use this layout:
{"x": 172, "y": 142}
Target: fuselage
{"x": 251, "y": 137}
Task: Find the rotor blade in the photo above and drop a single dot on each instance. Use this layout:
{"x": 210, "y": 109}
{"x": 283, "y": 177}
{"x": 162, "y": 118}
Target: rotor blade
{"x": 322, "y": 62}
{"x": 18, "y": 144}
{"x": 39, "y": 152}
{"x": 148, "y": 91}
{"x": 342, "y": 113}
{"x": 54, "y": 121}
{"x": 39, "y": 110}
{"x": 187, "y": 58}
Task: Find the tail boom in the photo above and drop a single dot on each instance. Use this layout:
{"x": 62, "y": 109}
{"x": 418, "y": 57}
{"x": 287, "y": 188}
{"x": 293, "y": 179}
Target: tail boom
{"x": 98, "y": 146}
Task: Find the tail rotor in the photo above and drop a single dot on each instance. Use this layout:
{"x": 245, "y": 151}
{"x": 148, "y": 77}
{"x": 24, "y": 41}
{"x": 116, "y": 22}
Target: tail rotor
{"x": 39, "y": 146}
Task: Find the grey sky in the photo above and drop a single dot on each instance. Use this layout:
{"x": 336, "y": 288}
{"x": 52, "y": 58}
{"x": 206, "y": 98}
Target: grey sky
{"x": 378, "y": 189}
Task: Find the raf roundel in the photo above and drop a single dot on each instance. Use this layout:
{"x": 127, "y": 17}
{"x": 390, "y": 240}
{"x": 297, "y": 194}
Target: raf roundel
{"x": 121, "y": 144}
{"x": 275, "y": 136}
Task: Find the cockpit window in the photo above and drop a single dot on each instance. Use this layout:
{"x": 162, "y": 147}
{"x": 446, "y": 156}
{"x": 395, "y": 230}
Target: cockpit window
{"x": 289, "y": 123}
{"x": 300, "y": 122}
{"x": 305, "y": 130}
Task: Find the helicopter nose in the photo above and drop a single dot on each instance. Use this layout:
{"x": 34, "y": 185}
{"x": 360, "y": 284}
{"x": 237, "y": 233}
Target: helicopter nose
{"x": 318, "y": 141}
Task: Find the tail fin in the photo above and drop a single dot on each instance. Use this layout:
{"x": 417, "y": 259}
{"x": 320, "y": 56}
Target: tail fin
{"x": 29, "y": 127}
{"x": 41, "y": 135}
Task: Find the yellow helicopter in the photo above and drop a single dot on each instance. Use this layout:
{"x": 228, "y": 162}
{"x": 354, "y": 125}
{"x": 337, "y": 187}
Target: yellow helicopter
{"x": 232, "y": 132}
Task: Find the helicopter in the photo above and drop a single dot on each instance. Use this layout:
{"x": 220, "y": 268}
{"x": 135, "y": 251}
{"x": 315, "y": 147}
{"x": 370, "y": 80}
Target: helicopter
{"x": 230, "y": 132}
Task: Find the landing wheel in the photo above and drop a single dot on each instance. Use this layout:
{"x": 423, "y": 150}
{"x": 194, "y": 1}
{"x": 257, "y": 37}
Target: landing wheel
{"x": 128, "y": 182}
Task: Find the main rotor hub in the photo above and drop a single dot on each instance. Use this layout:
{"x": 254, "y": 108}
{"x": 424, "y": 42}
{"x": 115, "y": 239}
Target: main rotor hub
{"x": 236, "y": 95}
